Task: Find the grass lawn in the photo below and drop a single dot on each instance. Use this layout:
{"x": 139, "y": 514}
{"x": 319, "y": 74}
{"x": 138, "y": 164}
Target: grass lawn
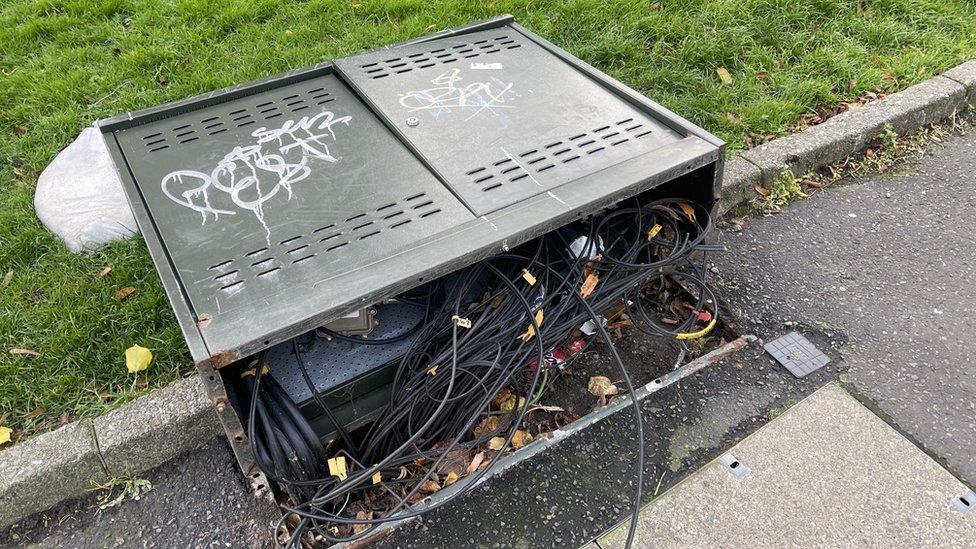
{"x": 64, "y": 64}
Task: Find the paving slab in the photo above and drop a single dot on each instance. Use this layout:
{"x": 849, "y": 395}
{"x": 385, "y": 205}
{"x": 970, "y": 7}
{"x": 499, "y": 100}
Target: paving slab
{"x": 826, "y": 473}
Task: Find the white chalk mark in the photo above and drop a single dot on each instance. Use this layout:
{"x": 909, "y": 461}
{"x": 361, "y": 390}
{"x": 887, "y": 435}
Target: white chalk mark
{"x": 486, "y": 66}
{"x": 527, "y": 172}
{"x": 253, "y": 174}
{"x": 448, "y": 94}
{"x": 556, "y": 198}
{"x": 493, "y": 226}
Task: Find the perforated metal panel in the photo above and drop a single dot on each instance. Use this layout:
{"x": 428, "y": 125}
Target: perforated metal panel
{"x": 332, "y": 364}
{"x": 498, "y": 119}
{"x": 275, "y": 206}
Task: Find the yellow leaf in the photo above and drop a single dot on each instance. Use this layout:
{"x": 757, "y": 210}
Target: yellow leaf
{"x": 451, "y": 478}
{"x": 724, "y": 75}
{"x": 520, "y": 439}
{"x": 137, "y": 358}
{"x": 105, "y": 270}
{"x": 496, "y": 443}
{"x": 509, "y": 401}
{"x": 377, "y": 477}
{"x": 5, "y": 433}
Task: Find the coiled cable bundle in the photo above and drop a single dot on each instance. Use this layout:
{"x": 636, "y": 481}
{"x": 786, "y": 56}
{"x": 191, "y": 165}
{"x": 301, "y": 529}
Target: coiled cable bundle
{"x": 485, "y": 338}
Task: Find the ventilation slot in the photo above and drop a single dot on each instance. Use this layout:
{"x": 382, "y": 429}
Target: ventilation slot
{"x": 427, "y": 59}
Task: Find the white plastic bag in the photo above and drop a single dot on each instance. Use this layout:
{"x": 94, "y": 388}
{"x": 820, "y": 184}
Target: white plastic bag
{"x": 79, "y": 196}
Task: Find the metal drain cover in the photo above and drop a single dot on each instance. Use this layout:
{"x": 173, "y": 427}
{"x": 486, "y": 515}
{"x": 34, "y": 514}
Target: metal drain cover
{"x": 797, "y": 354}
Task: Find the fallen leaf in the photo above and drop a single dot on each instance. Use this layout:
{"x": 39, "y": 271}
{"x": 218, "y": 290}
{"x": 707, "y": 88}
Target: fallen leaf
{"x": 429, "y": 487}
{"x": 762, "y": 190}
{"x": 105, "y": 270}
{"x": 204, "y": 321}
{"x": 479, "y": 458}
{"x": 64, "y": 418}
{"x": 39, "y": 411}
{"x": 454, "y": 462}
{"x": 520, "y": 439}
{"x": 5, "y": 433}
{"x": 496, "y": 444}
{"x": 30, "y": 352}
{"x": 500, "y": 396}
{"x": 601, "y": 386}
{"x": 509, "y": 403}
{"x": 162, "y": 80}
{"x": 733, "y": 118}
{"x": 19, "y": 129}
{"x": 6, "y": 279}
{"x": 738, "y": 224}
{"x": 451, "y": 478}
{"x": 486, "y": 426}
{"x": 688, "y": 210}
{"x": 589, "y": 285}
{"x": 137, "y": 358}
{"x": 360, "y": 528}
{"x": 724, "y": 75}
{"x": 124, "y": 293}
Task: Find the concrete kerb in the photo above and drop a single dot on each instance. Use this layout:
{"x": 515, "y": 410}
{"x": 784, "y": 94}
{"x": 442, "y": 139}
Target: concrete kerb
{"x": 136, "y": 437}
{"x": 37, "y": 474}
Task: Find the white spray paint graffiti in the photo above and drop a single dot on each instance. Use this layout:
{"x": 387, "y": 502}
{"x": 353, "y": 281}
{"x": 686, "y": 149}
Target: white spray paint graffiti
{"x": 252, "y": 175}
{"x": 449, "y": 94}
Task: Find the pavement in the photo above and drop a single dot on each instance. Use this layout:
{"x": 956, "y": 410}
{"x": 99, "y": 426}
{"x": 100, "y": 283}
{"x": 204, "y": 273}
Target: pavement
{"x": 891, "y": 261}
{"x": 822, "y": 457}
{"x": 198, "y": 500}
{"x": 876, "y": 273}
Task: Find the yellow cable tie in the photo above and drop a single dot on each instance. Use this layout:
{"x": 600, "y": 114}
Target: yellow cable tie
{"x": 528, "y": 277}
{"x": 433, "y": 369}
{"x": 653, "y": 232}
{"x": 698, "y": 334}
{"x": 377, "y": 477}
{"x": 461, "y": 322}
{"x": 527, "y": 335}
{"x": 337, "y": 467}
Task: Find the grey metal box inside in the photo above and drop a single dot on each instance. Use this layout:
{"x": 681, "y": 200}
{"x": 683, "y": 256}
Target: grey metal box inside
{"x": 275, "y": 206}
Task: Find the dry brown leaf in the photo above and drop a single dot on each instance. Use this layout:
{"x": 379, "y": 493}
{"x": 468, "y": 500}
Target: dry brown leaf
{"x": 19, "y": 129}
{"x": 124, "y": 293}
{"x": 486, "y": 426}
{"x": 601, "y": 386}
{"x": 30, "y": 352}
{"x": 454, "y": 462}
{"x": 498, "y": 398}
{"x": 520, "y": 439}
{"x": 724, "y": 75}
{"x": 738, "y": 224}
{"x": 429, "y": 487}
{"x": 64, "y": 418}
{"x": 39, "y": 411}
{"x": 105, "y": 270}
{"x": 6, "y": 279}
{"x": 360, "y": 528}
{"x": 733, "y": 118}
{"x": 204, "y": 321}
{"x": 476, "y": 462}
{"x": 496, "y": 444}
{"x": 762, "y": 190}
{"x": 688, "y": 210}
{"x": 589, "y": 284}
